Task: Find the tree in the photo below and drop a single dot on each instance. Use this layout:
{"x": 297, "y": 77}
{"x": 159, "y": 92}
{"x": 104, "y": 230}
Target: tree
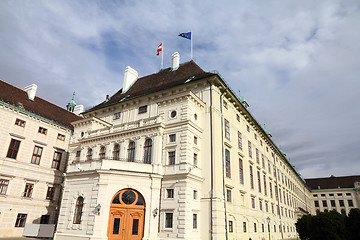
{"x": 352, "y": 224}
{"x": 303, "y": 227}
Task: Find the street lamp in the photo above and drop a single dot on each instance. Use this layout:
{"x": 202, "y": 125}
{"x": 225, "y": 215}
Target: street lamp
{"x": 268, "y": 221}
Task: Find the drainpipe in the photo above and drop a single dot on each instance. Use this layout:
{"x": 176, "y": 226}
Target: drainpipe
{"x": 223, "y": 162}
{"x": 211, "y": 165}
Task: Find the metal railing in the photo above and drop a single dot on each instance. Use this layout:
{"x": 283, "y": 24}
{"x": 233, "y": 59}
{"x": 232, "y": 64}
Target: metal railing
{"x": 87, "y": 160}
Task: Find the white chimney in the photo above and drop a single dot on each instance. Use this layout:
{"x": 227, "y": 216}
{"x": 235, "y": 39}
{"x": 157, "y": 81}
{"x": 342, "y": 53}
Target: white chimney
{"x": 31, "y": 91}
{"x": 175, "y": 61}
{"x": 78, "y": 109}
{"x": 130, "y": 77}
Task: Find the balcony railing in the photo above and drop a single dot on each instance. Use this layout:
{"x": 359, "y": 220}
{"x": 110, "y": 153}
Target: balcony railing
{"x": 87, "y": 160}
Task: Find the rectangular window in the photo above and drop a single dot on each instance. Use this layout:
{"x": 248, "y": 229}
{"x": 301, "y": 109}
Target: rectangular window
{"x": 255, "y": 136}
{"x": 20, "y": 220}
{"x": 331, "y": 194}
{"x": 240, "y": 140}
{"x": 116, "y": 115}
{"x": 259, "y": 181}
{"x": 195, "y": 159}
{"x": 350, "y": 203}
{"x": 13, "y": 149}
{"x": 238, "y": 117}
{"x": 228, "y": 195}
{"x": 260, "y": 205}
{"x": 261, "y": 143}
{"x": 244, "y": 226}
{"x": 56, "y": 160}
{"x": 36, "y": 155}
{"x": 171, "y": 158}
{"x": 257, "y": 156}
{"x": 241, "y": 171}
{"x": 339, "y": 194}
{"x": 231, "y": 227}
{"x": 225, "y": 104}
{"x": 28, "y": 190}
{"x": 348, "y": 194}
{"x": 135, "y": 227}
{"x": 316, "y": 203}
{"x": 42, "y": 130}
{"x": 251, "y": 178}
{"x": 195, "y": 194}
{"x": 61, "y": 137}
{"x": 263, "y": 160}
{"x": 247, "y": 128}
{"x": 172, "y": 138}
{"x": 45, "y": 219}
{"x": 3, "y": 186}
{"x": 254, "y": 227}
{"x": 323, "y": 195}
{"x": 267, "y": 207}
{"x": 332, "y": 202}
{"x": 50, "y": 193}
{"x": 227, "y": 129}
{"x": 195, "y": 140}
{"x": 168, "y": 220}
{"x": 265, "y": 190}
{"x": 270, "y": 189}
{"x": 269, "y": 166}
{"x": 227, "y": 163}
{"x": 341, "y": 203}
{"x": 324, "y": 203}
{"x": 249, "y": 146}
{"x": 143, "y": 109}
{"x": 20, "y": 122}
{"x": 253, "y": 202}
{"x": 194, "y": 221}
{"x": 170, "y": 193}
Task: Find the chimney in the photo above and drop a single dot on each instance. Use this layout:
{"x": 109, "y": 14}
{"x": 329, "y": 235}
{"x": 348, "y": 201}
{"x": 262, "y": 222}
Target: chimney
{"x": 130, "y": 77}
{"x": 78, "y": 109}
{"x": 31, "y": 91}
{"x": 175, "y": 61}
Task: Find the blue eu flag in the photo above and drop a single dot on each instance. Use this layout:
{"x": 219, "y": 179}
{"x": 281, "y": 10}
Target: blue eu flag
{"x": 185, "y": 35}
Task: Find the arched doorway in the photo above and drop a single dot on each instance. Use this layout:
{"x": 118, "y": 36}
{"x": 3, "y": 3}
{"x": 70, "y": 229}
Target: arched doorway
{"x": 126, "y": 218}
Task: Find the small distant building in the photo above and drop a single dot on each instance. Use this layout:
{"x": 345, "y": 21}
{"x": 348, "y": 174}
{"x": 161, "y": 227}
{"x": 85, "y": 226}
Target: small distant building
{"x": 335, "y": 193}
{"x": 34, "y": 138}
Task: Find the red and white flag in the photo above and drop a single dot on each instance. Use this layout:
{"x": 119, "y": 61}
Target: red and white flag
{"x": 159, "y": 49}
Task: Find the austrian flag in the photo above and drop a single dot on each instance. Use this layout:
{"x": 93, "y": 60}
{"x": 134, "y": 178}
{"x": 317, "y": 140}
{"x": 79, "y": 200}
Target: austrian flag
{"x": 159, "y": 49}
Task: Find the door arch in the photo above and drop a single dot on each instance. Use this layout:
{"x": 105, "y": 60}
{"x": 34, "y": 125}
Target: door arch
{"x": 126, "y": 217}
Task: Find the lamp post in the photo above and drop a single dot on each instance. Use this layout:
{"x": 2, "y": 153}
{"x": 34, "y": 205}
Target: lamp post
{"x": 268, "y": 221}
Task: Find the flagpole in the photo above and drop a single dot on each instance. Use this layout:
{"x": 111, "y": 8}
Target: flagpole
{"x": 191, "y": 45}
{"x": 162, "y": 56}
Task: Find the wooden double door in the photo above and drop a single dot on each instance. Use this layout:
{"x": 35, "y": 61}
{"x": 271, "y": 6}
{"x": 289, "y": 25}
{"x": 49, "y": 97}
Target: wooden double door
{"x": 126, "y": 218}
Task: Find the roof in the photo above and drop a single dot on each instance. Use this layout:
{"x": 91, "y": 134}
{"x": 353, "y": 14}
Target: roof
{"x": 18, "y": 97}
{"x": 162, "y": 80}
{"x": 332, "y": 182}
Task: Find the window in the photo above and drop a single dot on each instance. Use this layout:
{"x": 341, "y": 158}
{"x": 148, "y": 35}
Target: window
{"x": 241, "y": 171}
{"x": 331, "y": 194}
{"x": 195, "y": 194}
{"x": 253, "y": 202}
{"x": 324, "y": 203}
{"x": 269, "y": 166}
{"x": 45, "y": 219}
{"x": 56, "y": 160}
{"x": 267, "y": 207}
{"x": 314, "y": 195}
{"x": 341, "y": 203}
{"x": 244, "y": 226}
{"x": 316, "y": 203}
{"x": 61, "y": 137}
{"x": 238, "y": 117}
{"x": 173, "y": 114}
{"x": 143, "y": 109}
{"x": 263, "y": 160}
{"x": 28, "y": 190}
{"x": 89, "y": 154}
{"x": 350, "y": 202}
{"x": 131, "y": 152}
{"x": 3, "y": 186}
{"x": 261, "y": 142}
{"x": 254, "y": 227}
{"x": 228, "y": 195}
{"x": 194, "y": 221}
{"x": 116, "y": 152}
{"x": 225, "y": 104}
{"x": 332, "y": 202}
{"x": 13, "y": 149}
{"x": 265, "y": 190}
{"x": 50, "y": 193}
{"x": 20, "y": 220}
{"x": 259, "y": 180}
{"x": 102, "y": 152}
{"x": 147, "y": 150}
{"x": 255, "y": 136}
{"x": 270, "y": 189}
{"x": 250, "y": 152}
{"x": 116, "y": 115}
{"x": 231, "y": 227}
{"x": 348, "y": 194}
{"x": 20, "y": 122}
{"x": 227, "y": 163}
{"x": 195, "y": 140}
{"x": 170, "y": 193}
{"x": 339, "y": 194}
{"x": 260, "y": 205}
{"x": 78, "y": 210}
{"x": 262, "y": 227}
{"x": 343, "y": 212}
{"x": 227, "y": 129}
{"x": 42, "y": 130}
{"x": 78, "y": 153}
{"x": 247, "y": 128}
{"x": 195, "y": 159}
{"x": 323, "y": 195}
{"x": 251, "y": 178}
{"x": 168, "y": 220}
{"x": 240, "y": 140}
{"x": 172, "y": 138}
{"x": 171, "y": 157}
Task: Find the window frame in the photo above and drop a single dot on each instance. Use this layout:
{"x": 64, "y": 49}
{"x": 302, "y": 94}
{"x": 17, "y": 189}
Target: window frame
{"x": 61, "y": 137}
{"x": 19, "y": 122}
{"x": 227, "y": 163}
{"x": 131, "y": 151}
{"x": 78, "y": 210}
{"x": 21, "y": 220}
{"x": 148, "y": 150}
{"x": 4, "y": 184}
{"x": 50, "y": 193}
{"x": 227, "y": 128}
{"x": 171, "y": 157}
{"x": 42, "y": 130}
{"x": 142, "y": 109}
{"x": 36, "y": 157}
{"x": 169, "y": 218}
{"x": 56, "y": 160}
{"x": 241, "y": 171}
{"x": 13, "y": 149}
{"x": 29, "y": 188}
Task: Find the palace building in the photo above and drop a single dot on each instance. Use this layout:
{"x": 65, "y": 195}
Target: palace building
{"x": 177, "y": 155}
{"x": 34, "y": 139}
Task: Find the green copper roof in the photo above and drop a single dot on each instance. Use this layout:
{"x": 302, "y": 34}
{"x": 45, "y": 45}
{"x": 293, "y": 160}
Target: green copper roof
{"x": 72, "y": 102}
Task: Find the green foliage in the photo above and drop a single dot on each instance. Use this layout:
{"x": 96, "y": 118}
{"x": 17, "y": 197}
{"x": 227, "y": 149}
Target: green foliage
{"x": 352, "y": 223}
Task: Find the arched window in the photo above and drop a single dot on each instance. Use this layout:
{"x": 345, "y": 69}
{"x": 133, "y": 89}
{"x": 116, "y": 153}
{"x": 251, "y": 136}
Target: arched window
{"x": 89, "y": 154}
{"x": 131, "y": 152}
{"x": 102, "y": 152}
{"x": 78, "y": 210}
{"x": 116, "y": 152}
{"x": 147, "y": 150}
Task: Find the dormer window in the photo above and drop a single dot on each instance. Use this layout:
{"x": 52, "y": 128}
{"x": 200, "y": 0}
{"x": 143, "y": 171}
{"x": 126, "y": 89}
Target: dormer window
{"x": 42, "y": 130}
{"x": 143, "y": 109}
{"x": 61, "y": 137}
{"x": 116, "y": 115}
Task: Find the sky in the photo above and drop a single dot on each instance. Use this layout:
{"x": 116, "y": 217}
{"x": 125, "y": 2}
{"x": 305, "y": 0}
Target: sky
{"x": 297, "y": 63}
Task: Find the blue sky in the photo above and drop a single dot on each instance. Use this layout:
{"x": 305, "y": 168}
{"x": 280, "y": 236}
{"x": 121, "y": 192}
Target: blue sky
{"x": 296, "y": 62}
